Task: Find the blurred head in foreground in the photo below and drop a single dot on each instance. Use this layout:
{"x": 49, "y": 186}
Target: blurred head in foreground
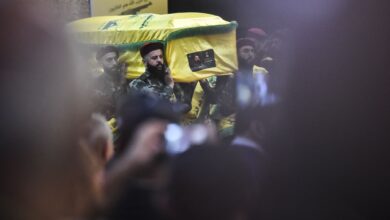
{"x": 209, "y": 182}
{"x": 136, "y": 110}
{"x": 331, "y": 149}
{"x": 98, "y": 137}
{"x": 40, "y": 162}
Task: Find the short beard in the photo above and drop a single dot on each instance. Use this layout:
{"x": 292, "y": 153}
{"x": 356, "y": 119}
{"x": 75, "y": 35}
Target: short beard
{"x": 157, "y": 73}
{"x": 244, "y": 64}
{"x": 113, "y": 72}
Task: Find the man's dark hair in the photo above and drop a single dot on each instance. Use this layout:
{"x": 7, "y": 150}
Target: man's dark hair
{"x": 148, "y": 47}
{"x": 107, "y": 49}
{"x": 136, "y": 109}
{"x": 209, "y": 182}
{"x": 245, "y": 42}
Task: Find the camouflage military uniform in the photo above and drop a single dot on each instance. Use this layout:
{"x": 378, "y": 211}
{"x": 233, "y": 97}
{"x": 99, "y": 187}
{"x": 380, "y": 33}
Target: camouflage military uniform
{"x": 107, "y": 93}
{"x": 223, "y": 110}
{"x": 184, "y": 92}
{"x": 148, "y": 84}
{"x": 225, "y": 95}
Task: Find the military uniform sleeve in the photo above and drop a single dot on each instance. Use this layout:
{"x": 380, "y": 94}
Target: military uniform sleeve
{"x": 137, "y": 85}
{"x": 167, "y": 92}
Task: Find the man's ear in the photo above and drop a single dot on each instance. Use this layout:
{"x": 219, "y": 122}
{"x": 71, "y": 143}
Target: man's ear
{"x": 99, "y": 62}
{"x": 145, "y": 60}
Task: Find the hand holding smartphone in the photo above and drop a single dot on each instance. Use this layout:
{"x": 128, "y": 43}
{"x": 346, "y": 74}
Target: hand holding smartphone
{"x": 168, "y": 77}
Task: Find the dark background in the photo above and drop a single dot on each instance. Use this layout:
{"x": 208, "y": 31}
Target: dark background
{"x": 330, "y": 146}
{"x": 248, "y": 13}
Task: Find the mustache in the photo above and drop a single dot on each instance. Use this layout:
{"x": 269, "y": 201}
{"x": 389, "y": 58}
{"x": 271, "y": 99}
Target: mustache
{"x": 159, "y": 68}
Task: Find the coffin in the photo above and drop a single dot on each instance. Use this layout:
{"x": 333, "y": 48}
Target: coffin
{"x": 197, "y": 45}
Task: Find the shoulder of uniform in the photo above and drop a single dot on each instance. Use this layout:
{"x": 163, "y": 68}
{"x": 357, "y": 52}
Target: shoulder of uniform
{"x": 144, "y": 76}
{"x": 100, "y": 80}
{"x": 135, "y": 81}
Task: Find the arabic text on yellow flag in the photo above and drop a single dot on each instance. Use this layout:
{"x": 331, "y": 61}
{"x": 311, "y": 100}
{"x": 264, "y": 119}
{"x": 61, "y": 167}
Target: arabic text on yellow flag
{"x": 119, "y": 7}
{"x": 197, "y": 45}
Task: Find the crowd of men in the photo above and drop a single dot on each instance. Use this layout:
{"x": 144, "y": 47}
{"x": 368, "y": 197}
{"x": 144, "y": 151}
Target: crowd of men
{"x": 155, "y": 96}
{"x": 316, "y": 151}
{"x": 145, "y": 106}
{"x": 222, "y": 92}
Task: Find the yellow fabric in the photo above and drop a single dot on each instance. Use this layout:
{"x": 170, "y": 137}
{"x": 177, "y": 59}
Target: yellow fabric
{"x": 141, "y": 27}
{"x": 259, "y": 70}
{"x": 112, "y": 124}
{"x": 135, "y": 66}
{"x": 196, "y": 103}
{"x": 117, "y": 7}
{"x": 226, "y": 125}
{"x": 224, "y": 49}
{"x": 125, "y": 30}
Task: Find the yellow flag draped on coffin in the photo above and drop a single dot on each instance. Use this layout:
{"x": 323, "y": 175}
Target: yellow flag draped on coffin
{"x": 197, "y": 45}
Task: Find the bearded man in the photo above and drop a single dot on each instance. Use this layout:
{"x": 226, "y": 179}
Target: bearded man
{"x": 111, "y": 86}
{"x": 157, "y": 80}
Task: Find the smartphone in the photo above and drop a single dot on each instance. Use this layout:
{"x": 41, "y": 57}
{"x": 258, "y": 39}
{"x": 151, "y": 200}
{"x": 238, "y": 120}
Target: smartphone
{"x": 179, "y": 138}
